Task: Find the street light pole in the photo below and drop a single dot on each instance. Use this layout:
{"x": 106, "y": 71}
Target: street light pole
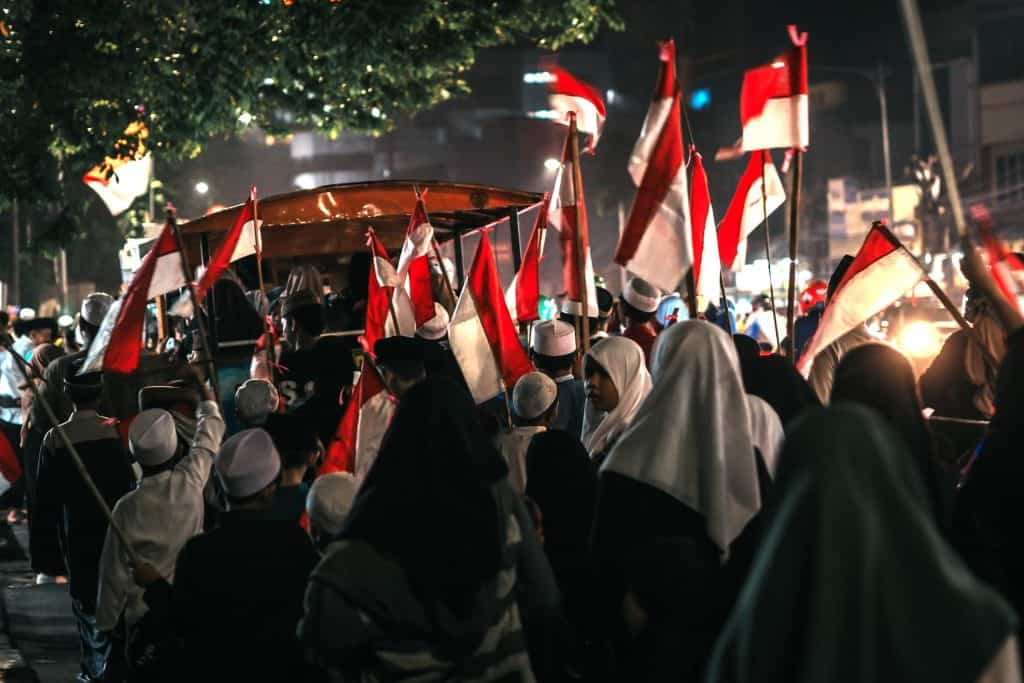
{"x": 884, "y": 106}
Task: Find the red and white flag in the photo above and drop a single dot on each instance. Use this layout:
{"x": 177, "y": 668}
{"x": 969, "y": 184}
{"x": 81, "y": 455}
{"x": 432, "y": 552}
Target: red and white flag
{"x": 414, "y": 263}
{"x": 523, "y": 295}
{"x": 656, "y": 243}
{"x": 773, "y": 101}
{"x": 566, "y": 198}
{"x": 116, "y": 347}
{"x": 361, "y": 429}
{"x": 748, "y": 208}
{"x": 880, "y": 273}
{"x": 1007, "y": 268}
{"x": 707, "y": 268}
{"x": 482, "y": 335}
{"x": 122, "y": 178}
{"x": 566, "y": 93}
{"x": 389, "y": 310}
{"x": 241, "y": 241}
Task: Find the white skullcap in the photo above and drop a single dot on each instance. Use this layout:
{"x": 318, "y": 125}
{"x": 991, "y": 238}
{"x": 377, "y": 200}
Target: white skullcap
{"x": 95, "y": 307}
{"x": 570, "y": 307}
{"x": 437, "y": 327}
{"x": 255, "y": 400}
{"x": 553, "y": 338}
{"x": 534, "y": 393}
{"x": 329, "y": 501}
{"x": 152, "y": 438}
{"x": 247, "y": 463}
{"x": 641, "y": 295}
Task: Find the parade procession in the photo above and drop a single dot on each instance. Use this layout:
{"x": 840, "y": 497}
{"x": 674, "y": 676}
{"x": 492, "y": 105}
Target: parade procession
{"x": 560, "y": 341}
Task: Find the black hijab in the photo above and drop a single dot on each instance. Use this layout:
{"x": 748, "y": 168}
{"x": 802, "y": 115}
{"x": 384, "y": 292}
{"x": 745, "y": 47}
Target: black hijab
{"x": 562, "y": 480}
{"x": 427, "y": 501}
{"x": 774, "y": 379}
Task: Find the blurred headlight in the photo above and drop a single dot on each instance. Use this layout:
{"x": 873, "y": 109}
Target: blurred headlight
{"x": 920, "y": 340}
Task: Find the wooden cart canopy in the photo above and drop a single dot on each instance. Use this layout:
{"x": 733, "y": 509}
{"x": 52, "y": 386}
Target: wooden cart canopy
{"x": 333, "y": 219}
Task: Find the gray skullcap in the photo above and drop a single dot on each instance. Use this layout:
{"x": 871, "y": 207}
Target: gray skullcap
{"x": 247, "y": 463}
{"x": 641, "y": 295}
{"x": 553, "y": 338}
{"x": 152, "y": 438}
{"x": 534, "y": 393}
{"x": 255, "y": 400}
{"x": 437, "y": 327}
{"x": 95, "y": 307}
{"x": 329, "y": 501}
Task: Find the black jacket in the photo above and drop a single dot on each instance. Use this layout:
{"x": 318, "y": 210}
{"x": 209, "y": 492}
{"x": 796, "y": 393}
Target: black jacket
{"x": 237, "y": 599}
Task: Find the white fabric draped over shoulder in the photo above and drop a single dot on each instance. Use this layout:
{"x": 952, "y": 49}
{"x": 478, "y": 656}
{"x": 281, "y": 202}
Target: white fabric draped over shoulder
{"x": 691, "y": 437}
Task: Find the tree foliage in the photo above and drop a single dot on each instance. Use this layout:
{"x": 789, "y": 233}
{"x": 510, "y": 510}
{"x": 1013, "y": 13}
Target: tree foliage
{"x": 74, "y": 74}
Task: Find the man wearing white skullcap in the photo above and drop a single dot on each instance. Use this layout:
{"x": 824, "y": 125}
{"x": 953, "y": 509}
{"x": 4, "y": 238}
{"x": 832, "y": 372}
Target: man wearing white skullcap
{"x": 327, "y": 504}
{"x": 534, "y": 406}
{"x": 255, "y": 401}
{"x": 639, "y": 305}
{"x": 553, "y": 352}
{"x": 165, "y": 510}
{"x": 238, "y": 588}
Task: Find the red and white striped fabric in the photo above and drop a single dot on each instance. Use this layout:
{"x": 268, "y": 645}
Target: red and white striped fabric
{"x": 116, "y": 347}
{"x": 414, "y": 263}
{"x": 880, "y": 273}
{"x": 130, "y": 179}
{"x": 565, "y": 199}
{"x": 748, "y": 208}
{"x": 482, "y": 335}
{"x": 773, "y": 101}
{"x": 523, "y": 295}
{"x": 361, "y": 429}
{"x": 656, "y": 243}
{"x": 707, "y": 268}
{"x": 566, "y": 93}
{"x": 389, "y": 310}
{"x": 1007, "y": 269}
{"x": 241, "y": 241}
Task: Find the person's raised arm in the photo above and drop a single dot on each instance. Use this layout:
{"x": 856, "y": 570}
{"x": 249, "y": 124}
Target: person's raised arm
{"x": 974, "y": 269}
{"x": 209, "y": 431}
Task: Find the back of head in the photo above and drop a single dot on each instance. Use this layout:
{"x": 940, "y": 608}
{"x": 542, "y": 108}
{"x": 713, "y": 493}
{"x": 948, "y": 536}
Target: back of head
{"x": 640, "y": 299}
{"x": 255, "y": 401}
{"x": 247, "y": 464}
{"x": 404, "y": 356}
{"x": 304, "y": 277}
{"x": 534, "y": 394}
{"x": 94, "y": 310}
{"x": 306, "y": 309}
{"x": 845, "y": 491}
{"x": 85, "y": 389}
{"x": 749, "y": 353}
{"x": 562, "y": 479}
{"x": 605, "y": 303}
{"x": 152, "y": 438}
{"x": 295, "y": 438}
{"x": 329, "y": 500}
{"x": 775, "y": 379}
{"x": 553, "y": 345}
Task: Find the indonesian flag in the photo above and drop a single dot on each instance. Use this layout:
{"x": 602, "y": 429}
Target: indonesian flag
{"x": 748, "y": 209}
{"x": 656, "y": 243}
{"x": 388, "y": 308}
{"x": 566, "y": 93}
{"x": 241, "y": 241}
{"x": 707, "y": 268}
{"x": 116, "y": 347}
{"x": 10, "y": 468}
{"x": 361, "y": 429}
{"x": 481, "y": 333}
{"x": 1007, "y": 269}
{"x": 565, "y": 199}
{"x": 414, "y": 263}
{"x": 120, "y": 179}
{"x": 773, "y": 101}
{"x": 880, "y": 273}
{"x": 523, "y": 296}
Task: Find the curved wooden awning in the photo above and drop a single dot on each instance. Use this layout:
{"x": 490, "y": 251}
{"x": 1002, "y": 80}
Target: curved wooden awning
{"x": 334, "y": 219}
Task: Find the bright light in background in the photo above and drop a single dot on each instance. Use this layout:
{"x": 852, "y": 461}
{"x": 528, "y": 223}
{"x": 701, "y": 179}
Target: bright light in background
{"x": 202, "y": 187}
{"x": 306, "y": 181}
{"x": 538, "y": 77}
{"x": 700, "y": 99}
{"x": 920, "y": 339}
{"x": 611, "y": 96}
{"x": 544, "y": 114}
{"x": 552, "y": 164}
{"x": 375, "y": 112}
{"x": 65, "y": 321}
{"x": 245, "y": 118}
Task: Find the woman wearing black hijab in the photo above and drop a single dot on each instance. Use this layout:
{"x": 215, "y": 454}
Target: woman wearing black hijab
{"x": 880, "y": 377}
{"x": 419, "y": 582}
{"x": 774, "y": 379}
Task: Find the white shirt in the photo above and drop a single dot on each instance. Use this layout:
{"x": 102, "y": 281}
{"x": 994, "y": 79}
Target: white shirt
{"x": 513, "y": 446}
{"x": 158, "y": 518}
{"x": 11, "y": 377}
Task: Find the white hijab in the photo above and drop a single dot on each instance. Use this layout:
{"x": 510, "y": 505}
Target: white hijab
{"x": 691, "y": 437}
{"x": 765, "y": 430}
{"x": 623, "y": 360}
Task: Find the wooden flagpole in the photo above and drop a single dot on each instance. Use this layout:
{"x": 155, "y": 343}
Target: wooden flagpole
{"x": 768, "y": 249}
{"x": 794, "y": 238}
{"x": 186, "y": 272}
{"x": 26, "y": 371}
{"x": 581, "y": 257}
{"x": 725, "y": 301}
{"x": 257, "y": 233}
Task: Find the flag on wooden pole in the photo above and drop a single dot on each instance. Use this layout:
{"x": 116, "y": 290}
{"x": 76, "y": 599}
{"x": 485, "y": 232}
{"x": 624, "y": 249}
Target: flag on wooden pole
{"x": 707, "y": 267}
{"x": 414, "y": 263}
{"x": 523, "y": 294}
{"x": 240, "y": 241}
{"x": 749, "y": 207}
{"x": 566, "y": 93}
{"x": 567, "y": 214}
{"x": 773, "y": 102}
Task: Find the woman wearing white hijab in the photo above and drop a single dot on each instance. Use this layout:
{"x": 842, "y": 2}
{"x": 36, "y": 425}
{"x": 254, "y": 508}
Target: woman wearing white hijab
{"x": 686, "y": 467}
{"x": 617, "y": 381}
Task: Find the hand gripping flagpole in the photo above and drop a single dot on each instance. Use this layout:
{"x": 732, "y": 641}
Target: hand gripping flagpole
{"x": 186, "y": 272}
{"x": 26, "y": 372}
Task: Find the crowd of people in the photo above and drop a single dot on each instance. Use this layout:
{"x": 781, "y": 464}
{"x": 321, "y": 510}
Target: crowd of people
{"x": 670, "y": 503}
